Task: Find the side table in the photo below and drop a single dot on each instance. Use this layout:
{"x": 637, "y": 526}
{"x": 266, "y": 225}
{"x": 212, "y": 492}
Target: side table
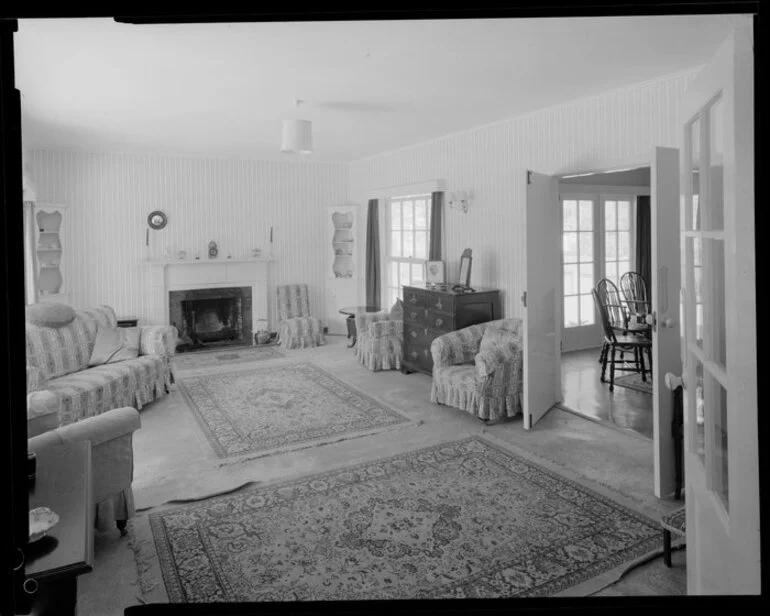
{"x": 352, "y": 311}
{"x": 64, "y": 484}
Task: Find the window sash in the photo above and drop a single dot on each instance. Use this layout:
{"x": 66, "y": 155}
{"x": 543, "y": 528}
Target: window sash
{"x": 408, "y": 242}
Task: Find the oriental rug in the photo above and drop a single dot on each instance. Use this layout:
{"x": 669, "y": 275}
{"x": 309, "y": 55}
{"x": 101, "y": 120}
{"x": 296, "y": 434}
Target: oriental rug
{"x": 271, "y": 410}
{"x": 466, "y": 518}
{"x": 219, "y": 357}
{"x": 634, "y": 381}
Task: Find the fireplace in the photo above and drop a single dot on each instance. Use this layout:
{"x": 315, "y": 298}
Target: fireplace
{"x": 211, "y": 318}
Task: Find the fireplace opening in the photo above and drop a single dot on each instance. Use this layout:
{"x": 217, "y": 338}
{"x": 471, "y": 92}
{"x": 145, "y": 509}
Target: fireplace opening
{"x": 210, "y": 318}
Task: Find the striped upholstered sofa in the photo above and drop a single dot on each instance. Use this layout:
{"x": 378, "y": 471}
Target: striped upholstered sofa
{"x": 57, "y": 361}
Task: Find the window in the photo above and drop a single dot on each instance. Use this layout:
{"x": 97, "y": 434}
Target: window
{"x": 408, "y": 225}
{"x": 617, "y": 238}
{"x": 578, "y": 261}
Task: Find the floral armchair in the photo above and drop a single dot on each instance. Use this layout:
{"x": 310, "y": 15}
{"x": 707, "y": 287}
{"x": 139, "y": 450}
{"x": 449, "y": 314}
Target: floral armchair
{"x": 479, "y": 369}
{"x": 380, "y": 340}
{"x": 296, "y": 328}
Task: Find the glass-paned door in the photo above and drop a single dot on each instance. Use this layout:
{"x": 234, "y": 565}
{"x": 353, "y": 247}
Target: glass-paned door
{"x": 721, "y": 316}
{"x": 705, "y": 338}
{"x": 579, "y": 272}
{"x": 617, "y": 238}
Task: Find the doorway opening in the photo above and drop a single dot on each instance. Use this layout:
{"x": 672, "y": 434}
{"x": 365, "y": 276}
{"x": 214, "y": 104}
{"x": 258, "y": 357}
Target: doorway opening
{"x": 605, "y": 233}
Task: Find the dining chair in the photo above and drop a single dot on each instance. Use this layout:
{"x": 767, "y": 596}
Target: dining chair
{"x": 623, "y": 343}
{"x": 634, "y": 289}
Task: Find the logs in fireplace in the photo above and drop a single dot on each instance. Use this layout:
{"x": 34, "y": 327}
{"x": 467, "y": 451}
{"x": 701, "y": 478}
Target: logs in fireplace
{"x": 211, "y": 318}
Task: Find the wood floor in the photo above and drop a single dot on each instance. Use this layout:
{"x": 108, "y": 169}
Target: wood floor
{"x": 586, "y": 395}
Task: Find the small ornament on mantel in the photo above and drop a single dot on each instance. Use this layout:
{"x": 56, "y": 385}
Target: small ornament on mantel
{"x": 213, "y": 250}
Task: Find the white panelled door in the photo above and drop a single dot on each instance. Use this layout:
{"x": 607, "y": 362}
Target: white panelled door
{"x": 666, "y": 339}
{"x": 542, "y": 298}
{"x": 719, "y": 349}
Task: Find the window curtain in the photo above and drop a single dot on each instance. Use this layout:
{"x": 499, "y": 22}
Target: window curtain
{"x": 373, "y": 256}
{"x": 644, "y": 241}
{"x": 30, "y": 259}
{"x": 436, "y": 214}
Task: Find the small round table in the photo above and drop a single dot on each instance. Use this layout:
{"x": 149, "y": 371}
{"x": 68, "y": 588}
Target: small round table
{"x": 351, "y": 312}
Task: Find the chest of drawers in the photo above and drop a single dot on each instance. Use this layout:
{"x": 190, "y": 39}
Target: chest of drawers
{"x": 431, "y": 312}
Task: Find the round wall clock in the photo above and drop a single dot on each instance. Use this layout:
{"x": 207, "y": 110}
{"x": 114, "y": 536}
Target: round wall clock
{"x": 157, "y": 220}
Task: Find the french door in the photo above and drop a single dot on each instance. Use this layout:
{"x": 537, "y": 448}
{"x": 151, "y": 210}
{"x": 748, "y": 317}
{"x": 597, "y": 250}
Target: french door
{"x": 597, "y": 232}
{"x": 580, "y": 271}
{"x": 719, "y": 310}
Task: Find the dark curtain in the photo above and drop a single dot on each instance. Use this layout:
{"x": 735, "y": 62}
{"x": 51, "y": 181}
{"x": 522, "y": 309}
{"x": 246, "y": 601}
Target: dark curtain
{"x": 436, "y": 213}
{"x": 644, "y": 241}
{"x": 373, "y": 256}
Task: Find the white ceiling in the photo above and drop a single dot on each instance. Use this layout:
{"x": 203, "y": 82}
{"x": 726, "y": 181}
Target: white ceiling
{"x": 221, "y": 90}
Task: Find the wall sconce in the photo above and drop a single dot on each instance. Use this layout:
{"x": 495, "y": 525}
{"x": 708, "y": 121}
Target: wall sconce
{"x": 458, "y": 200}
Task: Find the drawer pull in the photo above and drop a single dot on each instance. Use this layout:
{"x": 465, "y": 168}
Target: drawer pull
{"x": 413, "y": 315}
{"x": 425, "y": 351}
{"x": 413, "y": 334}
{"x": 439, "y": 322}
{"x": 414, "y": 299}
{"x": 439, "y": 304}
{"x": 414, "y": 354}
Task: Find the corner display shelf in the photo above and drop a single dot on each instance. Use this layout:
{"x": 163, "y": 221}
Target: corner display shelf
{"x": 343, "y": 267}
{"x": 49, "y": 251}
{"x": 343, "y": 243}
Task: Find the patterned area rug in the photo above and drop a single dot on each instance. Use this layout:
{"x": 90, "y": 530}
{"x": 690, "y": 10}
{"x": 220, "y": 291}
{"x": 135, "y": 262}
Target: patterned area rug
{"x": 461, "y": 519}
{"x": 270, "y": 410}
{"x": 634, "y": 381}
{"x": 236, "y": 355}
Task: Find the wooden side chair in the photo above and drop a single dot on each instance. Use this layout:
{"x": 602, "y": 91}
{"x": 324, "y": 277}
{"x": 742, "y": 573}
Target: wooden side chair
{"x": 634, "y": 290}
{"x": 610, "y": 296}
{"x": 623, "y": 343}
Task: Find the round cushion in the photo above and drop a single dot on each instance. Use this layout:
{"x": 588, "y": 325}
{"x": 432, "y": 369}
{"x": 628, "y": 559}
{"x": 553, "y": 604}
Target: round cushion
{"x": 50, "y": 315}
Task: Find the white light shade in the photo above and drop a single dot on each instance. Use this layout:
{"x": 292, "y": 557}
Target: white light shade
{"x": 297, "y": 137}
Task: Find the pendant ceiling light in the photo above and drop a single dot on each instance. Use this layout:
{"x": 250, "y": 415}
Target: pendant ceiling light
{"x": 297, "y": 135}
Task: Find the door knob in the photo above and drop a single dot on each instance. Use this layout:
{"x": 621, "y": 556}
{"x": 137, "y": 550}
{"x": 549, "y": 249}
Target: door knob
{"x": 669, "y": 322}
{"x": 650, "y": 319}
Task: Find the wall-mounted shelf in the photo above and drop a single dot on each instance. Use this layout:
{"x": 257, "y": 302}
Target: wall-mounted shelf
{"x": 51, "y": 277}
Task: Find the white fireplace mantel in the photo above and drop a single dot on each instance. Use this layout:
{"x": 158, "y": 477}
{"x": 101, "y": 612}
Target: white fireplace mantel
{"x": 166, "y": 275}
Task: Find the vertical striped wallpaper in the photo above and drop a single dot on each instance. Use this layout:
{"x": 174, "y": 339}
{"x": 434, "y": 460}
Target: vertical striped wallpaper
{"x": 233, "y": 202}
{"x": 611, "y": 130}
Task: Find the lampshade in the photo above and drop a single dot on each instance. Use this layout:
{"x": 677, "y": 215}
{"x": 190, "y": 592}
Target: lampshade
{"x": 297, "y": 137}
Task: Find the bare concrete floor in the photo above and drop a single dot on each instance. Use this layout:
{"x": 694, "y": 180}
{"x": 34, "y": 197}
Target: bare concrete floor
{"x": 173, "y": 460}
{"x": 584, "y": 393}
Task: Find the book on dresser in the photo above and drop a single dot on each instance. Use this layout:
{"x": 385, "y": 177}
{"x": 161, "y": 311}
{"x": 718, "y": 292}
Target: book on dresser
{"x": 432, "y": 311}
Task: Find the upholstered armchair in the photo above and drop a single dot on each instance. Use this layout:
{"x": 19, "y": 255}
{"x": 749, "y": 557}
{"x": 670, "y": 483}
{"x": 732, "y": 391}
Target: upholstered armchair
{"x": 479, "y": 369}
{"x": 379, "y": 340}
{"x": 296, "y": 328}
{"x": 112, "y": 455}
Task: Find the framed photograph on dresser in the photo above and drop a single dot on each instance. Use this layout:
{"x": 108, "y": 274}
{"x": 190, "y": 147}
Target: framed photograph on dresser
{"x": 434, "y": 272}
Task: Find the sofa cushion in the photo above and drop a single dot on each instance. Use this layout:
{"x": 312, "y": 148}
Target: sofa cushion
{"x": 498, "y": 340}
{"x": 108, "y": 386}
{"x": 50, "y": 314}
{"x": 114, "y": 345}
{"x": 63, "y": 350}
